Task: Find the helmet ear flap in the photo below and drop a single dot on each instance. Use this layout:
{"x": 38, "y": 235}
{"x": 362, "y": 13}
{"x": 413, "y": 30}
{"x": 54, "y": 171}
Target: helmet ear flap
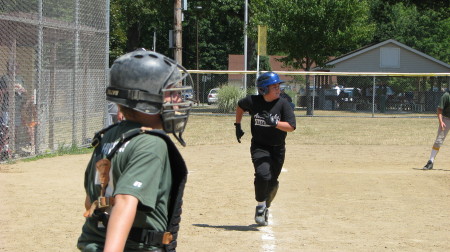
{"x": 263, "y": 90}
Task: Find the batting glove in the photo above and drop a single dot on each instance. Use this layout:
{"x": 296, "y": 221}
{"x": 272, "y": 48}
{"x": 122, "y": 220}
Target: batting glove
{"x": 239, "y": 132}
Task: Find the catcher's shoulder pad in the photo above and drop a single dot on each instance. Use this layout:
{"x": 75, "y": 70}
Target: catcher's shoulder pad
{"x": 99, "y": 134}
{"x": 179, "y": 177}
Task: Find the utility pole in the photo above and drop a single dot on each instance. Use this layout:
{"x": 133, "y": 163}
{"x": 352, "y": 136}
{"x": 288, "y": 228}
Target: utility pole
{"x": 198, "y": 8}
{"x": 245, "y": 43}
{"x": 177, "y": 30}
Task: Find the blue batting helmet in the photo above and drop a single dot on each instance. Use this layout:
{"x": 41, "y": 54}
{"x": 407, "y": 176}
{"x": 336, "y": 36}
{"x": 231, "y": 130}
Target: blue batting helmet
{"x": 265, "y": 80}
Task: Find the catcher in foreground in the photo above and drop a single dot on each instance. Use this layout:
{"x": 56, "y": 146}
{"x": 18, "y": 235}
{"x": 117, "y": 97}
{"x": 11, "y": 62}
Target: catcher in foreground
{"x": 135, "y": 179}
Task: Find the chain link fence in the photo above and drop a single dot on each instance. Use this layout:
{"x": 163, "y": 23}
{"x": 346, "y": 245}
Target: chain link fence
{"x": 54, "y": 69}
{"x": 333, "y": 94}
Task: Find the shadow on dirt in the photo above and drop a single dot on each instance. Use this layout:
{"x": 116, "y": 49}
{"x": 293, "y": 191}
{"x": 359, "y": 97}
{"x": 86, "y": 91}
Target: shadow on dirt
{"x": 421, "y": 169}
{"x": 252, "y": 227}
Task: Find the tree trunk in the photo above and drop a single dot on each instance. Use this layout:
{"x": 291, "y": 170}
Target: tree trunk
{"x": 133, "y": 37}
{"x": 309, "y": 98}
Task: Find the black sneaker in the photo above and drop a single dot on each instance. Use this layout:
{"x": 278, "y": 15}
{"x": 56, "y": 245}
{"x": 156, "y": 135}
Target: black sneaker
{"x": 262, "y": 215}
{"x": 428, "y": 166}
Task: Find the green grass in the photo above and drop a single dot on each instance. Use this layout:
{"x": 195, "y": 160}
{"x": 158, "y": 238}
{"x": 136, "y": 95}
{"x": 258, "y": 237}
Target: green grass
{"x": 204, "y": 130}
{"x": 64, "y": 150}
{"x": 323, "y": 129}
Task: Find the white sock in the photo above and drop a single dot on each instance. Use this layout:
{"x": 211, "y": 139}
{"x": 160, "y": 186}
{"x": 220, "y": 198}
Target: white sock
{"x": 263, "y": 203}
{"x": 433, "y": 155}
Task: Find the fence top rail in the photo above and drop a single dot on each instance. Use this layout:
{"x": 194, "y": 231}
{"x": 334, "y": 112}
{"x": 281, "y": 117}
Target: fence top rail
{"x": 324, "y": 73}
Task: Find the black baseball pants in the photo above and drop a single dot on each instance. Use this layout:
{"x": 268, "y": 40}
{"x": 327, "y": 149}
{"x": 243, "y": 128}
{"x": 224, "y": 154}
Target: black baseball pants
{"x": 267, "y": 161}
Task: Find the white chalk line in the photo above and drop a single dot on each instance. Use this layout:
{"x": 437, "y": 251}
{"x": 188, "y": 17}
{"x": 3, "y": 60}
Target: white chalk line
{"x": 268, "y": 236}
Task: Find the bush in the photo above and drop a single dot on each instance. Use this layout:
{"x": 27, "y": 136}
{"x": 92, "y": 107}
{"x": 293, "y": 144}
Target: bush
{"x": 228, "y": 97}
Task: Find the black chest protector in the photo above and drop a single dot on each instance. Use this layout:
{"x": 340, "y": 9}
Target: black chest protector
{"x": 167, "y": 239}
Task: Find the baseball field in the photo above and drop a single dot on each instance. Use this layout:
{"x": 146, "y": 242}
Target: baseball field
{"x": 348, "y": 184}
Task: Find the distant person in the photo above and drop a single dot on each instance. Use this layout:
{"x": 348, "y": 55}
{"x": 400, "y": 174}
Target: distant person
{"x": 284, "y": 95}
{"x": 271, "y": 119}
{"x": 443, "y": 115}
{"x": 382, "y": 97}
{"x": 30, "y": 120}
{"x": 22, "y": 114}
{"x": 357, "y": 95}
{"x": 114, "y": 114}
{"x": 341, "y": 99}
{"x": 337, "y": 88}
{"x": 4, "y": 106}
{"x": 335, "y": 97}
{"x": 357, "y": 92}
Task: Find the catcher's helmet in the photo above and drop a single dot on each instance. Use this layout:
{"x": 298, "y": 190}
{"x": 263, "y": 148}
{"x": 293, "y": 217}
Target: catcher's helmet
{"x": 150, "y": 83}
{"x": 265, "y": 80}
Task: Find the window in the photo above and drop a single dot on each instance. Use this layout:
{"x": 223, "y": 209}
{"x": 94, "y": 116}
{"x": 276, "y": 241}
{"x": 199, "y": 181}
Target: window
{"x": 390, "y": 57}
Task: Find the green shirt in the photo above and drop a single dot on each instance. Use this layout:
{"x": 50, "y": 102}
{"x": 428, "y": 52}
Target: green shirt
{"x": 444, "y": 104}
{"x": 141, "y": 168}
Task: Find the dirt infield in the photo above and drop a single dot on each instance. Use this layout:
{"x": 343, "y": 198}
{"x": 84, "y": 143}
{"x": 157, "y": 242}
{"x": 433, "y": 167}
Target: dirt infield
{"x": 368, "y": 198}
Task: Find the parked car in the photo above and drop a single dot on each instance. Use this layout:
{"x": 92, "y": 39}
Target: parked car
{"x": 342, "y": 94}
{"x": 285, "y": 87}
{"x": 212, "y": 96}
{"x": 348, "y": 94}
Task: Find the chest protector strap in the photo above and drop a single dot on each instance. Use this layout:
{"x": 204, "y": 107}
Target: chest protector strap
{"x": 167, "y": 239}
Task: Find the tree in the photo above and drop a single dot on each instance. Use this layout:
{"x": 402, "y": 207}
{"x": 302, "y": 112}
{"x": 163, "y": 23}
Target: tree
{"x": 436, "y": 5}
{"x": 311, "y": 31}
{"x": 423, "y": 29}
{"x": 220, "y": 32}
{"x": 133, "y": 23}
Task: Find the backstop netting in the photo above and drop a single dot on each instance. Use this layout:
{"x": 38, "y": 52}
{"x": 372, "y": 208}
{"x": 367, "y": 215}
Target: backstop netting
{"x": 53, "y": 68}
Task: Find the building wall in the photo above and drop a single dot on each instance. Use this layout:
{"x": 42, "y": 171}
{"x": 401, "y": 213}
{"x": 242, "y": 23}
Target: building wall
{"x": 236, "y": 63}
{"x": 369, "y": 61}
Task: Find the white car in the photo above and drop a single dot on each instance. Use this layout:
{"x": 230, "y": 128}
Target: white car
{"x": 212, "y": 96}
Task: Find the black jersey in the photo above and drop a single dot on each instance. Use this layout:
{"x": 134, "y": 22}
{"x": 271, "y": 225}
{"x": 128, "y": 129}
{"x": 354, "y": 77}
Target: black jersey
{"x": 261, "y": 132}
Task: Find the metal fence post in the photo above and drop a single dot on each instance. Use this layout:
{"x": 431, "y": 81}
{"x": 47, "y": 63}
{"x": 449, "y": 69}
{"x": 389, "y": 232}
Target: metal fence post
{"x": 313, "y": 95}
{"x": 373, "y": 96}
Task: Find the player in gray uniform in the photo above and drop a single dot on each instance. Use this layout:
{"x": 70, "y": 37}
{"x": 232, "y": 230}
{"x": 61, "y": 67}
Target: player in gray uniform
{"x": 443, "y": 115}
{"x": 271, "y": 119}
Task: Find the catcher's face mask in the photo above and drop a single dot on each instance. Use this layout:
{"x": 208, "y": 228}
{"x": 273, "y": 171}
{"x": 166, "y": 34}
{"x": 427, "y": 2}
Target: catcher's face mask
{"x": 175, "y": 111}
